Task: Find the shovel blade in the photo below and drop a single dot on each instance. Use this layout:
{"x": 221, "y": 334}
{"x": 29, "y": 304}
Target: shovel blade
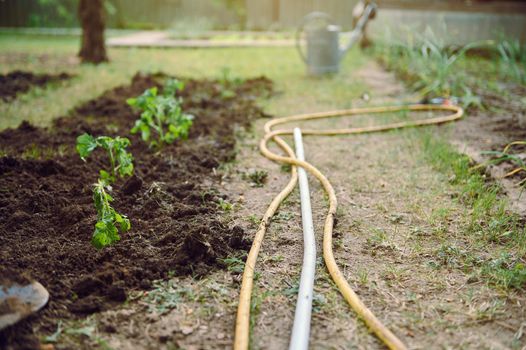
{"x": 19, "y": 301}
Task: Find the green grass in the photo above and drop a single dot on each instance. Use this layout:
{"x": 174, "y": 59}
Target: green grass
{"x": 486, "y": 219}
{"x": 56, "y": 54}
{"x": 488, "y": 213}
{"x": 167, "y": 295}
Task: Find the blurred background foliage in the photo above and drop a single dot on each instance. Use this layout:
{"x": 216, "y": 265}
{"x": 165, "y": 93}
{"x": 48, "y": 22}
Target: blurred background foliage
{"x": 124, "y": 14}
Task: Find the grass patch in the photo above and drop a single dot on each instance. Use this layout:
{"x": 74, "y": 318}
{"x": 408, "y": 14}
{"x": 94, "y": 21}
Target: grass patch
{"x": 487, "y": 219}
{"x": 166, "y": 296}
{"x": 487, "y": 210}
{"x": 505, "y": 271}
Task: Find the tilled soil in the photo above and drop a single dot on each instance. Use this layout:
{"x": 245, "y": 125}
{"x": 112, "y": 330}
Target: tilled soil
{"x": 47, "y": 215}
{"x": 19, "y": 82}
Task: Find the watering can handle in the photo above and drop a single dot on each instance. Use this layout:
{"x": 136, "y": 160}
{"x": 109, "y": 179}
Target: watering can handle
{"x": 357, "y": 32}
{"x": 310, "y": 17}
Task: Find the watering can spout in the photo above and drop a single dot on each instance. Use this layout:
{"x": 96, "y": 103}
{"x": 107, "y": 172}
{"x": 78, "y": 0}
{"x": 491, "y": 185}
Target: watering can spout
{"x": 358, "y": 30}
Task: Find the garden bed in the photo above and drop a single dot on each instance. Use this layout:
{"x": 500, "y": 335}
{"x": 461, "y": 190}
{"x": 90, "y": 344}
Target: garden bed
{"x": 19, "y": 82}
{"x": 47, "y": 214}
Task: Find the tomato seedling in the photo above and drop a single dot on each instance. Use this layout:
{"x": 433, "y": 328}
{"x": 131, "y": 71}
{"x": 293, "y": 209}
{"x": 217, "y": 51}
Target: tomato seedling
{"x": 162, "y": 114}
{"x": 121, "y": 162}
{"x": 109, "y": 222}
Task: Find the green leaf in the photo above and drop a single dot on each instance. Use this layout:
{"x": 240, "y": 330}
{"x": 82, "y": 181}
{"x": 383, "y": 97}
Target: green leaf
{"x": 145, "y": 132}
{"x": 85, "y": 145}
{"x": 123, "y": 222}
{"x": 103, "y": 235}
{"x": 172, "y": 86}
{"x": 106, "y": 177}
{"x": 132, "y": 102}
{"x": 125, "y": 161}
{"x": 105, "y": 142}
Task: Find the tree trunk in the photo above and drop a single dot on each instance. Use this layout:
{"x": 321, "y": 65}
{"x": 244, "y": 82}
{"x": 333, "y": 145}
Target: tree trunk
{"x": 91, "y": 17}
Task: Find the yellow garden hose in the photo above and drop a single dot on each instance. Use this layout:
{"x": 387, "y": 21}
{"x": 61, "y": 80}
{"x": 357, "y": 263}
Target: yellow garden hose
{"x": 242, "y": 332}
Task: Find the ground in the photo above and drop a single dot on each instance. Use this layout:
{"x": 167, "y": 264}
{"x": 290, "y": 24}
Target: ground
{"x": 404, "y": 238}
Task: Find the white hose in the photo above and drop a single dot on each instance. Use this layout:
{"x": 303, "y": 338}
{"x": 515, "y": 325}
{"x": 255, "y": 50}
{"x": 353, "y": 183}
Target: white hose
{"x": 301, "y": 328}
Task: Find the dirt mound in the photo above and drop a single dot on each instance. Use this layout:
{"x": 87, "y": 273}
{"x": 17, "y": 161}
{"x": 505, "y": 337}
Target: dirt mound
{"x": 18, "y": 82}
{"x": 47, "y": 215}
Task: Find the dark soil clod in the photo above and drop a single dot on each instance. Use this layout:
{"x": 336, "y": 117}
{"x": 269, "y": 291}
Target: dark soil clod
{"x": 19, "y": 82}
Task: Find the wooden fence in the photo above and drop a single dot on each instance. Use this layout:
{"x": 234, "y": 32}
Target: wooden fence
{"x": 455, "y": 21}
{"x": 452, "y": 21}
{"x": 126, "y": 14}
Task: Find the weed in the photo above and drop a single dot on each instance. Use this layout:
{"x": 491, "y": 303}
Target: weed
{"x": 224, "y": 205}
{"x": 283, "y": 216}
{"x": 234, "y": 264}
{"x": 257, "y": 178}
{"x": 254, "y": 219}
{"x": 318, "y": 300}
{"x": 450, "y": 256}
{"x": 86, "y": 328}
{"x": 286, "y": 168}
{"x": 166, "y": 296}
{"x": 378, "y": 238}
{"x": 275, "y": 258}
{"x": 505, "y": 271}
{"x": 363, "y": 277}
{"x": 292, "y": 290}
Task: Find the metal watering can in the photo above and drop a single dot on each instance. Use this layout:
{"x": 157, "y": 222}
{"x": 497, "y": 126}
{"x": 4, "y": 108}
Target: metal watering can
{"x": 324, "y": 52}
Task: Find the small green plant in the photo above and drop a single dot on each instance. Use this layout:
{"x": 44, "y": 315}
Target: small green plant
{"x": 234, "y": 264}
{"x": 286, "y": 168}
{"x": 283, "y": 216}
{"x": 436, "y": 76}
{"x": 109, "y": 221}
{"x": 254, "y": 220}
{"x": 512, "y": 60}
{"x": 161, "y": 114}
{"x": 225, "y": 205}
{"x": 432, "y": 67}
{"x": 257, "y": 178}
{"x": 121, "y": 162}
{"x": 505, "y": 271}
{"x": 167, "y": 295}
